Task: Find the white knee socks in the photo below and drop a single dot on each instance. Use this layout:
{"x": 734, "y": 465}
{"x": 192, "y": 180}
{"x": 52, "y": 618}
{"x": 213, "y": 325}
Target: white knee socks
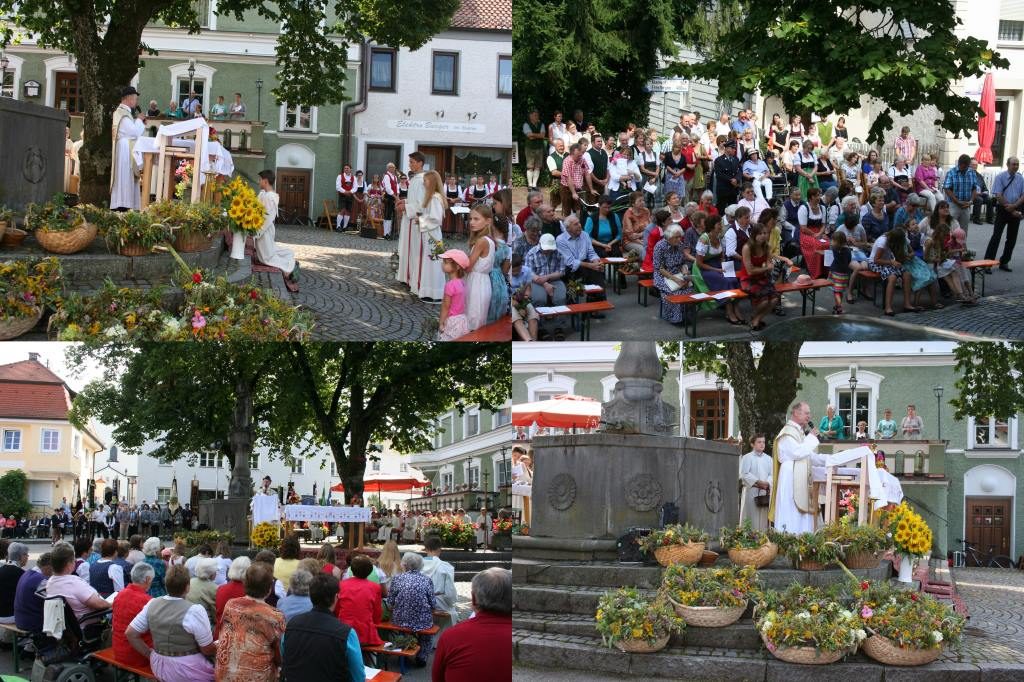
{"x": 387, "y": 227}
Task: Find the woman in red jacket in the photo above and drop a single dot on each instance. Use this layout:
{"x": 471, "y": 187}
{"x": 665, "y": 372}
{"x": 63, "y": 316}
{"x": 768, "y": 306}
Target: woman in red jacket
{"x": 359, "y": 603}
{"x": 129, "y": 602}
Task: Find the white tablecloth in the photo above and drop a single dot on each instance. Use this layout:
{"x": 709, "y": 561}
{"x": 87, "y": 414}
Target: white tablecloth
{"x": 221, "y": 162}
{"x": 308, "y": 512}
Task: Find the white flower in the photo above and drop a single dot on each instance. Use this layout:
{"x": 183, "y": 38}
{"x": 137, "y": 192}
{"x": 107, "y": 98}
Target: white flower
{"x": 861, "y": 635}
{"x": 937, "y": 636}
{"x": 172, "y": 325}
{"x": 803, "y": 614}
{"x": 765, "y": 626}
{"x": 116, "y": 332}
{"x": 845, "y": 614}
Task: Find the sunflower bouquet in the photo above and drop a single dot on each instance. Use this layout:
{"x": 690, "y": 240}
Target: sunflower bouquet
{"x": 626, "y": 614}
{"x": 245, "y": 211}
{"x": 266, "y": 535}
{"x": 910, "y": 533}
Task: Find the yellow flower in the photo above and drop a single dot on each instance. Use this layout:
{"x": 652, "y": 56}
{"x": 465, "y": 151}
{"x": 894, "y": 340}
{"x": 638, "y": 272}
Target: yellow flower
{"x": 616, "y": 629}
{"x": 600, "y": 614}
{"x": 636, "y": 633}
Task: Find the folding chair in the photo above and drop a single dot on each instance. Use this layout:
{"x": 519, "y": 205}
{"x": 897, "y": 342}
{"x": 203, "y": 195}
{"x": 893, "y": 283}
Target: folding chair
{"x": 330, "y": 214}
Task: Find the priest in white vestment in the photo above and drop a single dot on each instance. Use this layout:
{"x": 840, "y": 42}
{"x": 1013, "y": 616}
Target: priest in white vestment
{"x": 267, "y": 250}
{"x": 756, "y": 477}
{"x": 484, "y": 520}
{"x": 409, "y": 235}
{"x": 794, "y": 506}
{"x": 124, "y": 181}
{"x": 265, "y": 505}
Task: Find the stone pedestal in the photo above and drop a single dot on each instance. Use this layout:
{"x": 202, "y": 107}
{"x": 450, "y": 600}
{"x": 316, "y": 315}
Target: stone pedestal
{"x": 227, "y": 515}
{"x": 589, "y": 488}
{"x": 31, "y": 152}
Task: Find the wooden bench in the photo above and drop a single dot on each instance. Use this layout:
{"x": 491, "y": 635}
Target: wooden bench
{"x": 391, "y": 627}
{"x": 403, "y": 655}
{"x": 123, "y": 670}
{"x": 584, "y": 311}
{"x": 689, "y": 300}
{"x": 15, "y": 649}
{"x": 499, "y": 330}
{"x": 808, "y": 290}
{"x": 642, "y": 287}
{"x": 441, "y": 615}
{"x": 980, "y": 267}
{"x": 641, "y": 275}
{"x": 874, "y": 278}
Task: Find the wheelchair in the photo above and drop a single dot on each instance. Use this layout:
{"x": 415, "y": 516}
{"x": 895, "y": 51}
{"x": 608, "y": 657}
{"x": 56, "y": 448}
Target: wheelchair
{"x": 67, "y": 659}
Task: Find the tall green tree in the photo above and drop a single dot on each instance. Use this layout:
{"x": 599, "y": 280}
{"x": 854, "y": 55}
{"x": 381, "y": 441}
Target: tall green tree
{"x": 989, "y": 381}
{"x": 105, "y": 37}
{"x": 13, "y": 498}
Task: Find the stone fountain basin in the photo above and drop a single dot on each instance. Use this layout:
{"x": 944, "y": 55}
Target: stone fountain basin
{"x": 859, "y": 328}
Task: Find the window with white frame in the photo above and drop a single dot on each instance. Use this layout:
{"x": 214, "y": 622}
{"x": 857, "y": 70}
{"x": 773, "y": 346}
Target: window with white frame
{"x": 12, "y": 440}
{"x": 993, "y": 433}
{"x": 208, "y": 460}
{"x": 163, "y": 495}
{"x": 296, "y": 466}
{"x": 504, "y": 76}
{"x": 198, "y": 87}
{"x": 447, "y": 427}
{"x": 203, "y": 12}
{"x": 1011, "y": 31}
{"x": 845, "y": 410}
{"x": 254, "y": 461}
{"x": 447, "y": 480}
{"x": 473, "y": 476}
{"x": 503, "y": 472}
{"x": 49, "y": 440}
{"x": 299, "y": 117}
{"x": 7, "y": 87}
{"x": 76, "y": 449}
{"x": 502, "y": 417}
{"x": 472, "y": 423}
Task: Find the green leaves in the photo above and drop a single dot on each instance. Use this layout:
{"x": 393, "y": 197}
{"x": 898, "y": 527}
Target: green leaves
{"x": 13, "y": 500}
{"x": 989, "y": 380}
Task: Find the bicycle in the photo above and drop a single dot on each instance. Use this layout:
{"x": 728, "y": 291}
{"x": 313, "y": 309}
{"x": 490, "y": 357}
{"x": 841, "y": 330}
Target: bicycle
{"x": 293, "y": 216}
{"x": 993, "y": 560}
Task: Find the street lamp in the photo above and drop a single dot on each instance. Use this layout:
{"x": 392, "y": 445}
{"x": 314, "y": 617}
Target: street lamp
{"x": 191, "y": 77}
{"x": 720, "y": 384}
{"x": 853, "y": 404}
{"x": 938, "y": 408}
{"x": 4, "y": 61}
{"x": 259, "y": 99}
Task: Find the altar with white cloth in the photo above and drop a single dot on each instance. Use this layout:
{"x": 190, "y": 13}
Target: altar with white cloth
{"x": 354, "y": 518}
{"x": 879, "y": 486}
{"x": 171, "y": 144}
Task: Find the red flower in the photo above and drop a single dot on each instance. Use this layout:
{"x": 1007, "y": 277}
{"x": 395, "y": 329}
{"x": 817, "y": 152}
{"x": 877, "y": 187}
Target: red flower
{"x": 254, "y": 294}
{"x": 913, "y": 596}
{"x": 864, "y": 584}
{"x": 197, "y": 277}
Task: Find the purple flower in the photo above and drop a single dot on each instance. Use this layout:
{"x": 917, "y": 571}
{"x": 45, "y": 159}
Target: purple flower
{"x": 866, "y": 612}
{"x": 198, "y": 321}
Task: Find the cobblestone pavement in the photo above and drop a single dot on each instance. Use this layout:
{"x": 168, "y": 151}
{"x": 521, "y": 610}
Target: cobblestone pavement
{"x": 1000, "y": 314}
{"x": 995, "y": 600}
{"x": 347, "y": 282}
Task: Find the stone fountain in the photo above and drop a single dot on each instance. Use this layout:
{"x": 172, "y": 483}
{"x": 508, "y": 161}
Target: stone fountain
{"x": 588, "y": 489}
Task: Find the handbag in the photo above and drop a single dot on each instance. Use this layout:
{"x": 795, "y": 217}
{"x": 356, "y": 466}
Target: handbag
{"x": 762, "y": 498}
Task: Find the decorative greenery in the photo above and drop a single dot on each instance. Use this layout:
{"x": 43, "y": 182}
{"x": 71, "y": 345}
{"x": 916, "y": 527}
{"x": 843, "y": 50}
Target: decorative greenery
{"x": 856, "y": 538}
{"x": 908, "y": 619}
{"x": 804, "y": 615}
{"x": 574, "y": 289}
{"x": 6, "y": 216}
{"x": 266, "y": 535}
{"x": 199, "y": 218}
{"x": 743, "y": 536}
{"x": 135, "y": 228}
{"x": 809, "y": 547}
{"x": 26, "y": 285}
{"x": 13, "y": 498}
{"x": 626, "y": 614}
{"x": 728, "y": 586}
{"x": 504, "y": 526}
{"x": 673, "y": 534}
{"x": 454, "y": 533}
{"x": 981, "y": 385}
{"x": 195, "y": 538}
{"x": 114, "y": 313}
{"x": 53, "y": 216}
{"x": 910, "y": 534}
{"x": 437, "y": 247}
{"x": 520, "y": 529}
{"x": 102, "y": 218}
{"x": 244, "y": 209}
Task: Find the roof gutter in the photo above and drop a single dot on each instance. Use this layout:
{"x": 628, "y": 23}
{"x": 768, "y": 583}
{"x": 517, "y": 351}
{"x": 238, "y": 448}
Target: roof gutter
{"x": 357, "y": 106}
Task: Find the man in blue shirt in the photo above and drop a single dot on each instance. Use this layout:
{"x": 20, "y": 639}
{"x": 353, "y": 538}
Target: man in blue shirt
{"x": 548, "y": 267}
{"x": 1008, "y": 189}
{"x": 961, "y": 187}
{"x": 581, "y": 261}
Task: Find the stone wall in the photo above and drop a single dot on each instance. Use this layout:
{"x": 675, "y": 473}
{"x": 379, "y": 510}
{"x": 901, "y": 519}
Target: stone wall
{"x": 31, "y": 152}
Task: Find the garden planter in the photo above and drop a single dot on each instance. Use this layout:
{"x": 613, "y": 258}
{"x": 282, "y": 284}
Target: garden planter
{"x": 809, "y": 565}
{"x": 132, "y": 249}
{"x": 13, "y": 327}
{"x": 884, "y": 650}
{"x": 639, "y": 646}
{"x": 68, "y": 242}
{"x": 758, "y": 558}
{"x": 708, "y": 616}
{"x": 862, "y": 560}
{"x": 708, "y": 559}
{"x": 805, "y": 655}
{"x": 687, "y": 554}
{"x": 13, "y": 237}
{"x": 191, "y": 242}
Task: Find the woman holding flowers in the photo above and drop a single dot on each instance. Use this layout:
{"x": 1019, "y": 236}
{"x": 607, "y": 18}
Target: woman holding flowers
{"x": 430, "y": 276}
{"x": 267, "y": 251}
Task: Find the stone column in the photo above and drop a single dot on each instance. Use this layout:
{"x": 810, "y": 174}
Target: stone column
{"x": 636, "y": 405}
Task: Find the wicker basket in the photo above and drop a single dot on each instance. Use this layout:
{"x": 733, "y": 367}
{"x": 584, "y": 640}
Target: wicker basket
{"x": 71, "y": 241}
{"x": 883, "y": 650}
{"x": 132, "y": 249}
{"x": 191, "y": 242}
{"x": 13, "y": 237}
{"x": 639, "y": 646}
{"x": 758, "y": 558}
{"x": 687, "y": 554}
{"x": 13, "y": 327}
{"x": 862, "y": 560}
{"x": 708, "y": 559}
{"x": 708, "y": 616}
{"x": 808, "y": 565}
{"x": 805, "y": 655}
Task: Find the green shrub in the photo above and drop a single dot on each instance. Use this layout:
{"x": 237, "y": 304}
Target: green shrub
{"x": 13, "y": 499}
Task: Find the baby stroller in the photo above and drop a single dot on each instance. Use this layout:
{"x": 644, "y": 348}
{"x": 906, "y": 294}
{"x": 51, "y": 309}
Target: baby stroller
{"x": 67, "y": 659}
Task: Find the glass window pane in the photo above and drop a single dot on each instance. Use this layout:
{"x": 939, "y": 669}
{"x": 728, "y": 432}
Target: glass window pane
{"x": 381, "y": 72}
{"x": 444, "y": 73}
{"x": 504, "y": 75}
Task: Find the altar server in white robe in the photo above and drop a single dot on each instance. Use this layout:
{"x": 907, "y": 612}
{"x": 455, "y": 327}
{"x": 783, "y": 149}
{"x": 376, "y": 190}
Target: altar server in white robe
{"x": 756, "y": 477}
{"x": 794, "y": 506}
{"x": 408, "y": 263}
{"x": 124, "y": 181}
{"x": 267, "y": 250}
{"x": 484, "y": 520}
{"x": 430, "y": 279}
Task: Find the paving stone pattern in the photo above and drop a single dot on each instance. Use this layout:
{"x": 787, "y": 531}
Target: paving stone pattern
{"x": 995, "y": 599}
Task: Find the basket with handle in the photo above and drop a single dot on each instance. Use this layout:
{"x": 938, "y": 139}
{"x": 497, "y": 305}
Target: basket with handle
{"x": 640, "y": 646}
{"x": 884, "y": 650}
{"x": 687, "y": 554}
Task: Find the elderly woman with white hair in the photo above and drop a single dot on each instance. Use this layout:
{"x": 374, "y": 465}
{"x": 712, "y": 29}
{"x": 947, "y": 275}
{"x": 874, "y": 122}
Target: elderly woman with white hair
{"x": 411, "y": 600}
{"x": 233, "y": 588}
{"x": 832, "y": 426}
{"x": 10, "y": 574}
{"x": 671, "y": 274}
{"x": 151, "y": 549}
{"x": 297, "y": 600}
{"x": 202, "y": 589}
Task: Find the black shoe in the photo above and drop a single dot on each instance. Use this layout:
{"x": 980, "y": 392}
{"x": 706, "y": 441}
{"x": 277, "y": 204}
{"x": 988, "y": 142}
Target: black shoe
{"x": 597, "y": 316}
{"x": 419, "y": 664}
{"x": 1005, "y": 268}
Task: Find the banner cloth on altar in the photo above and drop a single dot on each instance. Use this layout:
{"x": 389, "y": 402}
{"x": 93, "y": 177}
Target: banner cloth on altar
{"x": 883, "y": 487}
{"x": 223, "y": 164}
{"x": 305, "y": 512}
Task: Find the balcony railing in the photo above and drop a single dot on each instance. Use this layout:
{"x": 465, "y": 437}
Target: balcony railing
{"x": 239, "y": 137}
{"x": 903, "y": 458}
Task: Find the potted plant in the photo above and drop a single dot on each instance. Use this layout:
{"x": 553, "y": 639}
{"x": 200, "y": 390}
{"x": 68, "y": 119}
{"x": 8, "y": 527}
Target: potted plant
{"x": 58, "y": 228}
{"x": 862, "y": 545}
{"x": 748, "y": 547}
{"x": 809, "y": 625}
{"x": 709, "y": 598}
{"x": 911, "y": 537}
{"x": 675, "y": 544}
{"x": 9, "y": 234}
{"x": 6, "y": 218}
{"x": 904, "y": 628}
{"x": 635, "y": 624}
{"x": 809, "y": 551}
{"x": 135, "y": 233}
{"x": 26, "y": 287}
{"x": 193, "y": 225}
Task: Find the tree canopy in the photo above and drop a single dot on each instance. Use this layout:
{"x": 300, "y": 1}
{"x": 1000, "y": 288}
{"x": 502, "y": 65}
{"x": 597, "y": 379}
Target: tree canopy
{"x": 105, "y": 37}
{"x": 989, "y": 381}
{"x": 815, "y": 55}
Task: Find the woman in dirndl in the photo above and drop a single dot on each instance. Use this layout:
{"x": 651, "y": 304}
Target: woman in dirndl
{"x": 806, "y": 165}
{"x": 756, "y": 277}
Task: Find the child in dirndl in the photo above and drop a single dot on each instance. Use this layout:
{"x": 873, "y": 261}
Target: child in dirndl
{"x": 453, "y": 322}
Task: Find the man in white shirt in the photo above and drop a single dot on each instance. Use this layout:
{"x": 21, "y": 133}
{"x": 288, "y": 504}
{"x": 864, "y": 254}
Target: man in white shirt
{"x": 442, "y": 574}
{"x": 794, "y": 506}
{"x": 756, "y": 477}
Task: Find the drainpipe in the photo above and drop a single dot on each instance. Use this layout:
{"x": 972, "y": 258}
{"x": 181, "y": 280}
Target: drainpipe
{"x": 357, "y": 106}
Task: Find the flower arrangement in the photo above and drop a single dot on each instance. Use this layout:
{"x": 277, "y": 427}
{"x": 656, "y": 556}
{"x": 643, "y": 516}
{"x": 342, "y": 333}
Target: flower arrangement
{"x": 135, "y": 229}
{"x": 574, "y": 289}
{"x": 183, "y": 177}
{"x": 521, "y": 300}
{"x": 53, "y": 216}
{"x": 910, "y": 534}
{"x": 453, "y": 533}
{"x": 205, "y": 219}
{"x": 907, "y": 619}
{"x": 520, "y": 529}
{"x": 26, "y": 286}
{"x": 114, "y": 314}
{"x": 437, "y": 247}
{"x": 266, "y": 535}
{"x": 809, "y": 548}
{"x": 245, "y": 211}
{"x": 6, "y": 216}
{"x": 743, "y": 536}
{"x": 673, "y": 534}
{"x": 503, "y": 526}
{"x": 102, "y": 218}
{"x": 729, "y": 586}
{"x": 856, "y": 538}
{"x": 807, "y": 616}
{"x": 849, "y": 502}
{"x": 625, "y": 614}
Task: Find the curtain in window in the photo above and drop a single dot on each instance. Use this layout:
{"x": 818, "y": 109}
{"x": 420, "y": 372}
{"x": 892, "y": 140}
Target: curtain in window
{"x": 444, "y": 73}
{"x": 380, "y": 70}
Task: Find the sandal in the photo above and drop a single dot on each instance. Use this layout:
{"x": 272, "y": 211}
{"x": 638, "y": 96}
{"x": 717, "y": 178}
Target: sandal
{"x": 758, "y": 327}
{"x": 735, "y": 323}
{"x": 837, "y": 310}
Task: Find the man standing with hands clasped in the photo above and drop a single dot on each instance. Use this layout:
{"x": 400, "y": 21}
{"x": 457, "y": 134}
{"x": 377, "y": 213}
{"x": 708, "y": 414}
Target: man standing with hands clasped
{"x": 409, "y": 236}
{"x": 1008, "y": 189}
{"x": 961, "y": 188}
{"x": 124, "y": 181}
{"x": 794, "y": 506}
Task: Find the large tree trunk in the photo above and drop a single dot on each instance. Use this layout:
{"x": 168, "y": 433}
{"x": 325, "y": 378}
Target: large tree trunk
{"x": 763, "y": 392}
{"x": 241, "y": 440}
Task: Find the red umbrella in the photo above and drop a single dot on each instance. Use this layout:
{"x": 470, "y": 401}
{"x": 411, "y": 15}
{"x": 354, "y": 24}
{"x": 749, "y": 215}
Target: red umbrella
{"x": 987, "y": 121}
{"x": 387, "y": 484}
{"x": 563, "y": 412}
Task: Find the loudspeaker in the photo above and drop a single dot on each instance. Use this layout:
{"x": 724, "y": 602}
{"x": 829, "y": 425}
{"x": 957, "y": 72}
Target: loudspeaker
{"x": 628, "y": 545}
{"x": 668, "y": 514}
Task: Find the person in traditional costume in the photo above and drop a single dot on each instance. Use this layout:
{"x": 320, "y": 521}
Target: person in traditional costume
{"x": 430, "y": 278}
{"x": 346, "y": 186}
{"x": 267, "y": 251}
{"x": 124, "y": 173}
{"x": 794, "y": 505}
{"x": 389, "y": 187}
{"x": 409, "y": 233}
{"x": 756, "y": 479}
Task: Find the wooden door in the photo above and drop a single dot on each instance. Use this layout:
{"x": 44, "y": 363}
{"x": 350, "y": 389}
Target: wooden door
{"x": 438, "y": 158}
{"x": 999, "y": 139}
{"x": 989, "y": 523}
{"x": 709, "y": 414}
{"x": 293, "y": 187}
{"x": 66, "y": 94}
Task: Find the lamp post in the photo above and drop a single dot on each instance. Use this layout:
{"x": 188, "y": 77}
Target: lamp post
{"x": 720, "y": 384}
{"x": 259, "y": 99}
{"x": 191, "y": 78}
{"x": 505, "y": 477}
{"x": 4, "y": 61}
{"x": 853, "y": 404}
{"x": 938, "y": 408}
